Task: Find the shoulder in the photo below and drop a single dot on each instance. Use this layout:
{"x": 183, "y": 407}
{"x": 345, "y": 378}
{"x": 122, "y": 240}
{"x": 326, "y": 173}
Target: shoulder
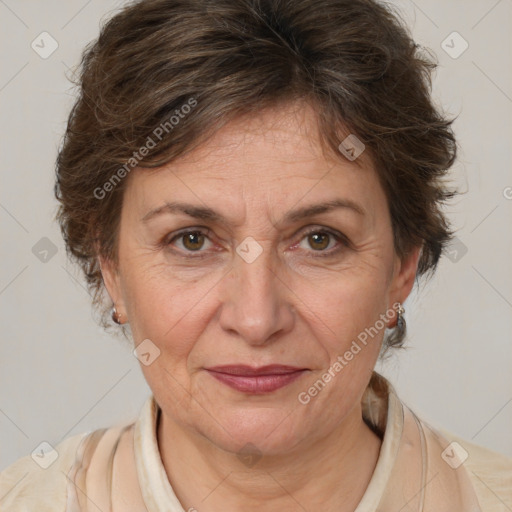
{"x": 32, "y": 484}
{"x": 490, "y": 473}
{"x": 487, "y": 472}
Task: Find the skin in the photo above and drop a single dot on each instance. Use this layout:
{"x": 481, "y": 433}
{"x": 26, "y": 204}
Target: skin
{"x": 288, "y": 306}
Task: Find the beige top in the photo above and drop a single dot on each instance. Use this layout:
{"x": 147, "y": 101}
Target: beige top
{"x": 419, "y": 468}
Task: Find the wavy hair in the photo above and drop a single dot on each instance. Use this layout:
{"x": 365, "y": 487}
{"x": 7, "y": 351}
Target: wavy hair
{"x": 353, "y": 60}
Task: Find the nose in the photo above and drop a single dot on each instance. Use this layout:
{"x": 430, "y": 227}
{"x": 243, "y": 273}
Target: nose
{"x": 256, "y": 301}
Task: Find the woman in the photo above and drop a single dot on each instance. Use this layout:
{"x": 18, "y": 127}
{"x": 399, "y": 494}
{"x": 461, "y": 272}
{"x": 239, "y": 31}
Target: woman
{"x": 256, "y": 186}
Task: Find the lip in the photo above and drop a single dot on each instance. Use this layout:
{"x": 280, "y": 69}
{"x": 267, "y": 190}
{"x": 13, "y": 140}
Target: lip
{"x": 263, "y": 379}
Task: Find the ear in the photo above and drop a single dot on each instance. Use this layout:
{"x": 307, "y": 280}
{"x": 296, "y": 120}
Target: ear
{"x": 111, "y": 279}
{"x": 404, "y": 276}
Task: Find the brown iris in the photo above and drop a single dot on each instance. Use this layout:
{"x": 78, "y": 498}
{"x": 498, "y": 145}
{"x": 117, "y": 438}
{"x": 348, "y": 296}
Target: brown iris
{"x": 319, "y": 238}
{"x": 193, "y": 241}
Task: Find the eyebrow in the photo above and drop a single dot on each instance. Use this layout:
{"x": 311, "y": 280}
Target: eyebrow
{"x": 205, "y": 213}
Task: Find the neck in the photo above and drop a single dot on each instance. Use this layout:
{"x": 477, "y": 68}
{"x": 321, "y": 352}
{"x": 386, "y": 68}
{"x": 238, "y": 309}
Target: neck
{"x": 330, "y": 474}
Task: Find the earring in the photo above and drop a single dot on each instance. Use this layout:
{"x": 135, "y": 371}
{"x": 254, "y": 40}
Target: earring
{"x": 399, "y": 316}
{"x": 115, "y": 316}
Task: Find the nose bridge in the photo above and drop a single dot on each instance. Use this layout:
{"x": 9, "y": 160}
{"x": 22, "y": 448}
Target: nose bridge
{"x": 256, "y": 278}
{"x": 255, "y": 306}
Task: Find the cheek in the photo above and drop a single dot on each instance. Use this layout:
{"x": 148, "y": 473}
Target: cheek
{"x": 346, "y": 318}
{"x": 344, "y": 305}
{"x": 362, "y": 304}
{"x": 166, "y": 309}
{"x": 171, "y": 314}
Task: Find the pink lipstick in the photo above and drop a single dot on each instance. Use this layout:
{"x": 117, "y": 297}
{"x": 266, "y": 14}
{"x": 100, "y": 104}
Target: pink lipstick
{"x": 264, "y": 379}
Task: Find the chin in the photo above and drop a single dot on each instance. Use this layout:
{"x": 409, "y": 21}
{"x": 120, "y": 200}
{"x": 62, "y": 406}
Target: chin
{"x": 266, "y": 431}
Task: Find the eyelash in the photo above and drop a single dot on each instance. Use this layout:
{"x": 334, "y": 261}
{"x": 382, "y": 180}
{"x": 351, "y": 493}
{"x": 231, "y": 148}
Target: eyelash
{"x": 322, "y": 253}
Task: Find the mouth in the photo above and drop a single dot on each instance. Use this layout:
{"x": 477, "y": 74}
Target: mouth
{"x": 264, "y": 379}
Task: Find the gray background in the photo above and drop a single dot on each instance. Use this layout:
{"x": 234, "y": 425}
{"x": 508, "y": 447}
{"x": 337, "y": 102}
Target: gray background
{"x": 60, "y": 374}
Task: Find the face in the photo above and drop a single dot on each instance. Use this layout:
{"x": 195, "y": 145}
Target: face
{"x": 240, "y": 277}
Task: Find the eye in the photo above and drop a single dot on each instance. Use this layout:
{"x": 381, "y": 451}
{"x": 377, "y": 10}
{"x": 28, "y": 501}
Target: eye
{"x": 191, "y": 240}
{"x": 320, "y": 240}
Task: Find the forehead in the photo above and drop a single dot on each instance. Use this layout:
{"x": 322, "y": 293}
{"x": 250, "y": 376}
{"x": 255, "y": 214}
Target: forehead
{"x": 285, "y": 134}
{"x": 273, "y": 158}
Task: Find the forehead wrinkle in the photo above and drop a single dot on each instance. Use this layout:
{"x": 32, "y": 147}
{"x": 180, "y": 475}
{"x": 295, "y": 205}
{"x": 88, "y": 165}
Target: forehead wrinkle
{"x": 244, "y": 131}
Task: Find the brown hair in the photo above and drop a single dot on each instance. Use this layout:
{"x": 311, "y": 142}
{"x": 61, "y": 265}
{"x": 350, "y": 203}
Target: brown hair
{"x": 353, "y": 60}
